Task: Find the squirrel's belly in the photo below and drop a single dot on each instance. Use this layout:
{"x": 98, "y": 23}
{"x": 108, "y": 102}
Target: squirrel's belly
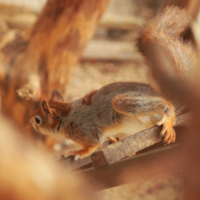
{"x": 128, "y": 127}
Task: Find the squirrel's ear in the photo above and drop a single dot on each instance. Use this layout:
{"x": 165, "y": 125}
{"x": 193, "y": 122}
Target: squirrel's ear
{"x": 45, "y": 107}
{"x": 56, "y": 96}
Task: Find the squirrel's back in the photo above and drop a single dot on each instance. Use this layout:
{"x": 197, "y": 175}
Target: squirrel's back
{"x": 166, "y": 29}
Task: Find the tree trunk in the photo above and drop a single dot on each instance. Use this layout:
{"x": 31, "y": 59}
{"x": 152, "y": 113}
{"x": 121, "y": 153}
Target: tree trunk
{"x": 43, "y": 58}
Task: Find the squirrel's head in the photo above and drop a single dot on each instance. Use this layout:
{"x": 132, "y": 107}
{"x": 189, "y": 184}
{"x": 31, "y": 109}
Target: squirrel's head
{"x": 45, "y": 119}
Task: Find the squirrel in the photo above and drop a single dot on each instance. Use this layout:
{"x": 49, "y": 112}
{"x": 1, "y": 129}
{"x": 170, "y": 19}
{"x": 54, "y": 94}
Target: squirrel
{"x": 111, "y": 109}
{"x": 103, "y": 113}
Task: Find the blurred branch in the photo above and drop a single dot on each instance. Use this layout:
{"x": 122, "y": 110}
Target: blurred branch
{"x": 43, "y": 58}
{"x": 193, "y": 8}
{"x": 187, "y": 93}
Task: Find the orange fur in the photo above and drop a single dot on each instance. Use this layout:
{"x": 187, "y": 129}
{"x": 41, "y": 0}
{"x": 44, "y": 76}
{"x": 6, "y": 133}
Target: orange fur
{"x": 87, "y": 100}
{"x": 85, "y": 151}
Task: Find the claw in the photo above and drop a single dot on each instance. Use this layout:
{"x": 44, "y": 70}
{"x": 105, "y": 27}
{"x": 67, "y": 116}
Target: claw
{"x": 168, "y": 133}
{"x": 170, "y": 136}
{"x": 168, "y": 141}
{"x": 167, "y": 137}
{"x": 76, "y": 157}
{"x": 164, "y": 129}
{"x": 70, "y": 153}
{"x": 174, "y": 138}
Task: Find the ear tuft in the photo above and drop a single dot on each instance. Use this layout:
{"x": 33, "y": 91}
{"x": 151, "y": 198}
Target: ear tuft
{"x": 56, "y": 96}
{"x": 45, "y": 107}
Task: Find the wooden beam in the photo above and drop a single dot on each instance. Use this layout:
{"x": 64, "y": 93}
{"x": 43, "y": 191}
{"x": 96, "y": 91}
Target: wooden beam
{"x": 132, "y": 144}
{"x": 136, "y": 168}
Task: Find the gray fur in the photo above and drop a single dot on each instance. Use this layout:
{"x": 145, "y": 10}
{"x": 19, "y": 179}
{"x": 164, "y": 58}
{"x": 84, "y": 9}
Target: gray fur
{"x": 90, "y": 120}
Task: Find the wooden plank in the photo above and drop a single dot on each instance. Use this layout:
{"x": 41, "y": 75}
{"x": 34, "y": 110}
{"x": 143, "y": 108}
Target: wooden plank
{"x": 80, "y": 163}
{"x": 138, "y": 168}
{"x": 123, "y": 148}
{"x": 132, "y": 144}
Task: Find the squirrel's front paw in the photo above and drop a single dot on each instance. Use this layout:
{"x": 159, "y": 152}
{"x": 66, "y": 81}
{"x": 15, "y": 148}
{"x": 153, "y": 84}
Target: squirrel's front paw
{"x": 168, "y": 133}
{"x": 72, "y": 153}
{"x": 86, "y": 151}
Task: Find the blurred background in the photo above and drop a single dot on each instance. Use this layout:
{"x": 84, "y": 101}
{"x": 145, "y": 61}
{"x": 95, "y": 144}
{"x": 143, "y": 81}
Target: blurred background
{"x": 111, "y": 55}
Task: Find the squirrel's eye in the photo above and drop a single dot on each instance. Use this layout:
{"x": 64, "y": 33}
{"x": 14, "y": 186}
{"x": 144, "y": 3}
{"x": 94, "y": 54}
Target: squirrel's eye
{"x": 37, "y": 120}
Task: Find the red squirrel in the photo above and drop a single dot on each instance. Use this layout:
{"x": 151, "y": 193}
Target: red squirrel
{"x": 102, "y": 113}
{"x": 114, "y": 107}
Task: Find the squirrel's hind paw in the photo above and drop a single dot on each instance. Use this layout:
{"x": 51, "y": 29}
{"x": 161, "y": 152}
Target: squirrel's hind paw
{"x": 168, "y": 133}
{"x": 170, "y": 136}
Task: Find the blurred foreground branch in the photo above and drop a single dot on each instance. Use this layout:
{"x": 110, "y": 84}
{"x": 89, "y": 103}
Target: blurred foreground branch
{"x": 186, "y": 93}
{"x": 26, "y": 173}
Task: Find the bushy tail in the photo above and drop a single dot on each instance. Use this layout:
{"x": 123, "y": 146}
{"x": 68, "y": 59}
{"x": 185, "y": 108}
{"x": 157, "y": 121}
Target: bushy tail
{"x": 171, "y": 22}
{"x": 165, "y": 29}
